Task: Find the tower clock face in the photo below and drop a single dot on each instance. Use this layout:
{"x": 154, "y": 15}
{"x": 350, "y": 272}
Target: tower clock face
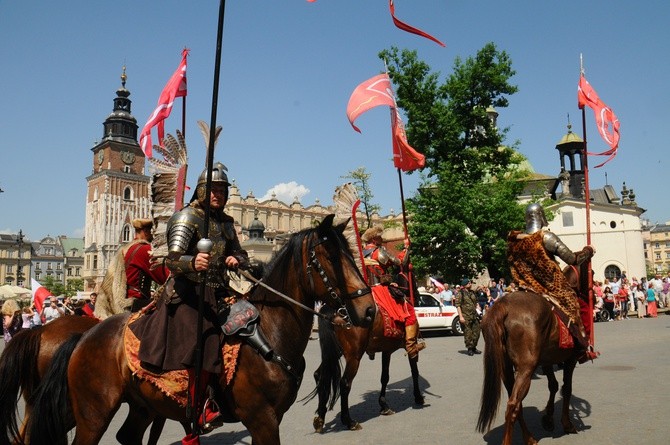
{"x": 127, "y": 157}
{"x": 101, "y": 156}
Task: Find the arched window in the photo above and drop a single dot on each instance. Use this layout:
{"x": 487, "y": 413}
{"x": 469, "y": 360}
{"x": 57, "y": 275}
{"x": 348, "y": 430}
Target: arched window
{"x": 95, "y": 194}
{"x": 128, "y": 193}
{"x": 126, "y": 234}
{"x": 612, "y": 272}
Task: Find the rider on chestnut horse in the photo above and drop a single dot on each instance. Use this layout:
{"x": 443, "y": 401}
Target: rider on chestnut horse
{"x": 531, "y": 255}
{"x": 379, "y": 263}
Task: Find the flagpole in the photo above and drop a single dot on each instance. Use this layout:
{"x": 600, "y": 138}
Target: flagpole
{"x": 406, "y": 233}
{"x": 587, "y": 198}
{"x": 205, "y": 234}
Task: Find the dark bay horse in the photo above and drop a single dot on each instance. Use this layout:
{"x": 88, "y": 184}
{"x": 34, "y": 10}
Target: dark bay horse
{"x": 337, "y": 341}
{"x": 521, "y": 333}
{"x": 314, "y": 265}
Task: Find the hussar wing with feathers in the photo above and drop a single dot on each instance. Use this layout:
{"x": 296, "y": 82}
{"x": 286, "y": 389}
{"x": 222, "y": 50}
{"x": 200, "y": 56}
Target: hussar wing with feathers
{"x": 168, "y": 183}
{"x": 346, "y": 203}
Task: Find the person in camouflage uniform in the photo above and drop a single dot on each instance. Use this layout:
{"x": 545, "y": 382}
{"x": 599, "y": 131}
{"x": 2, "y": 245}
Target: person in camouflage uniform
{"x": 466, "y": 305}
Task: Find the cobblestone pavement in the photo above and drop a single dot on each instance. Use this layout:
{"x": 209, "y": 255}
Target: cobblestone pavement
{"x": 621, "y": 398}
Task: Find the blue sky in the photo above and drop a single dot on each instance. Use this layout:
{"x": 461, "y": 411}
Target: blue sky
{"x": 288, "y": 69}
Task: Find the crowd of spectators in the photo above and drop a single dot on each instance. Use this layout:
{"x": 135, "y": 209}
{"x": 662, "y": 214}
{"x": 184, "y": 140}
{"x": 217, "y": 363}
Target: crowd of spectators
{"x": 621, "y": 296}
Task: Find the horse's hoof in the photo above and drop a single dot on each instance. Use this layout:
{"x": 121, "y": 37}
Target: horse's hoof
{"x": 355, "y": 426}
{"x": 420, "y": 401}
{"x": 548, "y": 423}
{"x": 386, "y": 412}
{"x": 318, "y": 424}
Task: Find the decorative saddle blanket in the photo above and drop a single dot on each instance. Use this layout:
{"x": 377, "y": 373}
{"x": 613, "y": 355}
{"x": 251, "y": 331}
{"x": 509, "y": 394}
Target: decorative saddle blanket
{"x": 174, "y": 384}
{"x": 393, "y": 313}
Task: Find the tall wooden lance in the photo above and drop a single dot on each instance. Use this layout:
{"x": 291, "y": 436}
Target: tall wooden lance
{"x": 587, "y": 198}
{"x": 205, "y": 245}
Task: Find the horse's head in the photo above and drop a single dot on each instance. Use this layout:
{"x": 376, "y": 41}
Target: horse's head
{"x": 334, "y": 275}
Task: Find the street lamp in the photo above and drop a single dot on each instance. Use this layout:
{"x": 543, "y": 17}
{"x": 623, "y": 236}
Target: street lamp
{"x": 19, "y": 242}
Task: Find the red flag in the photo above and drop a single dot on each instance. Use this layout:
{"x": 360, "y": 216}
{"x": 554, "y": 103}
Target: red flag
{"x": 404, "y": 156}
{"x": 437, "y": 284}
{"x": 175, "y": 87}
{"x": 40, "y": 293}
{"x": 371, "y": 93}
{"x": 606, "y": 120}
{"x": 408, "y": 28}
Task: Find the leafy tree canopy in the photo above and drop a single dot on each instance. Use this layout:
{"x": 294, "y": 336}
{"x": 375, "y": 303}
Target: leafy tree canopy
{"x": 466, "y": 204}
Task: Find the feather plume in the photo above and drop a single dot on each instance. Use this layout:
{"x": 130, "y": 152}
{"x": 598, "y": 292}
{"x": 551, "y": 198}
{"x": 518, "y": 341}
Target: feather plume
{"x": 204, "y": 129}
{"x": 346, "y": 202}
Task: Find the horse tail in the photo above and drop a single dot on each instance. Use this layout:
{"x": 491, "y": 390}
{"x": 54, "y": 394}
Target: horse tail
{"x": 51, "y": 418}
{"x": 18, "y": 373}
{"x": 329, "y": 373}
{"x": 493, "y": 330}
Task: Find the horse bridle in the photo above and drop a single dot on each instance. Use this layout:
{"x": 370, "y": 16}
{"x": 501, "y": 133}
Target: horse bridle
{"x": 314, "y": 264}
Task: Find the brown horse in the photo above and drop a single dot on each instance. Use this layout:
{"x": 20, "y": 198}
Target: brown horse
{"x": 521, "y": 333}
{"x": 26, "y": 359}
{"x": 315, "y": 265}
{"x": 337, "y": 340}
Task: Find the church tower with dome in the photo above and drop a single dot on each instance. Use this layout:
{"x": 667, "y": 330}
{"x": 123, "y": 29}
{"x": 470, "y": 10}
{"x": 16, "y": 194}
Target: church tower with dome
{"x": 117, "y": 189}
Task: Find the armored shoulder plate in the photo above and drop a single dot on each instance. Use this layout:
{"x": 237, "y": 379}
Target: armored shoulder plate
{"x": 555, "y": 246}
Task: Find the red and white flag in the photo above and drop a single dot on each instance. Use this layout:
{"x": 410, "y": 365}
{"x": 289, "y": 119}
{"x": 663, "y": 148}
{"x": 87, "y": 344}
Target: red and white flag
{"x": 405, "y": 27}
{"x": 437, "y": 284}
{"x": 606, "y": 120}
{"x": 371, "y": 93}
{"x": 39, "y": 294}
{"x": 175, "y": 87}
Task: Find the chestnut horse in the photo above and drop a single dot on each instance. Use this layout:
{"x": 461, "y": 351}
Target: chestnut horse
{"x": 315, "y": 265}
{"x": 521, "y": 333}
{"x": 352, "y": 343}
{"x": 24, "y": 362}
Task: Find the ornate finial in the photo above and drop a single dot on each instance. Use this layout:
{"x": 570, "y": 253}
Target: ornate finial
{"x": 123, "y": 77}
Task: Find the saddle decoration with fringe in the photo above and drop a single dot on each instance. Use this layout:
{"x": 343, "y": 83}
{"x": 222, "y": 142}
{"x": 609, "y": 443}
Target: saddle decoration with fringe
{"x": 393, "y": 313}
{"x": 174, "y": 384}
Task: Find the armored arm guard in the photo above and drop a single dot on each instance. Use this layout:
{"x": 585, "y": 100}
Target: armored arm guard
{"x": 555, "y": 246}
{"x": 385, "y": 259}
{"x": 181, "y": 232}
{"x": 233, "y": 246}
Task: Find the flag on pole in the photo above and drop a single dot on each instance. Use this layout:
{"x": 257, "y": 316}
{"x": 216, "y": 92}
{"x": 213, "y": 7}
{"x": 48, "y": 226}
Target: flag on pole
{"x": 405, "y": 27}
{"x": 606, "y": 120}
{"x": 39, "y": 294}
{"x": 175, "y": 87}
{"x": 371, "y": 93}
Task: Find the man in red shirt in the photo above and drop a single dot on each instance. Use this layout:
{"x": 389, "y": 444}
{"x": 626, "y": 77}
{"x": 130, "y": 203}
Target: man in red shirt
{"x": 139, "y": 270}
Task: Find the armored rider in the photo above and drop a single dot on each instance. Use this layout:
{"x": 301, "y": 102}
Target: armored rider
{"x": 532, "y": 260}
{"x": 177, "y": 313}
{"x": 379, "y": 263}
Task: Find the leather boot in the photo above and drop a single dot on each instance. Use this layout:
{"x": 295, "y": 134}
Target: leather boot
{"x": 412, "y": 346}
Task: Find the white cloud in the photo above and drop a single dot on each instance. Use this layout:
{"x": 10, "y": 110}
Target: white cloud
{"x": 286, "y": 192}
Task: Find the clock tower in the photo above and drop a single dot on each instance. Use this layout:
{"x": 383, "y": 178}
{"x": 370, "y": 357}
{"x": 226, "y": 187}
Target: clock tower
{"x": 117, "y": 190}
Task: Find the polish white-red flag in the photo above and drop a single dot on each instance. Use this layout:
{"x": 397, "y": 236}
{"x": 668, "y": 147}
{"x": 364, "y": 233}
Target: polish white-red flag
{"x": 175, "y": 87}
{"x": 371, "y": 93}
{"x": 606, "y": 121}
{"x": 405, "y": 27}
{"x": 39, "y": 294}
{"x": 437, "y": 284}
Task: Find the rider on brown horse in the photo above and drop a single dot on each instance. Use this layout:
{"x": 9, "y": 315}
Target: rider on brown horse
{"x": 176, "y": 319}
{"x": 531, "y": 255}
{"x": 379, "y": 263}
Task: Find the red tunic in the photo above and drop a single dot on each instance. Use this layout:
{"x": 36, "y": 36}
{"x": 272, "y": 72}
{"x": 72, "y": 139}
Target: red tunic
{"x": 138, "y": 263}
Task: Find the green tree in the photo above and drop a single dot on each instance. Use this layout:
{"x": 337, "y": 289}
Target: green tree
{"x": 53, "y": 286}
{"x": 73, "y": 286}
{"x": 466, "y": 204}
{"x": 361, "y": 180}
